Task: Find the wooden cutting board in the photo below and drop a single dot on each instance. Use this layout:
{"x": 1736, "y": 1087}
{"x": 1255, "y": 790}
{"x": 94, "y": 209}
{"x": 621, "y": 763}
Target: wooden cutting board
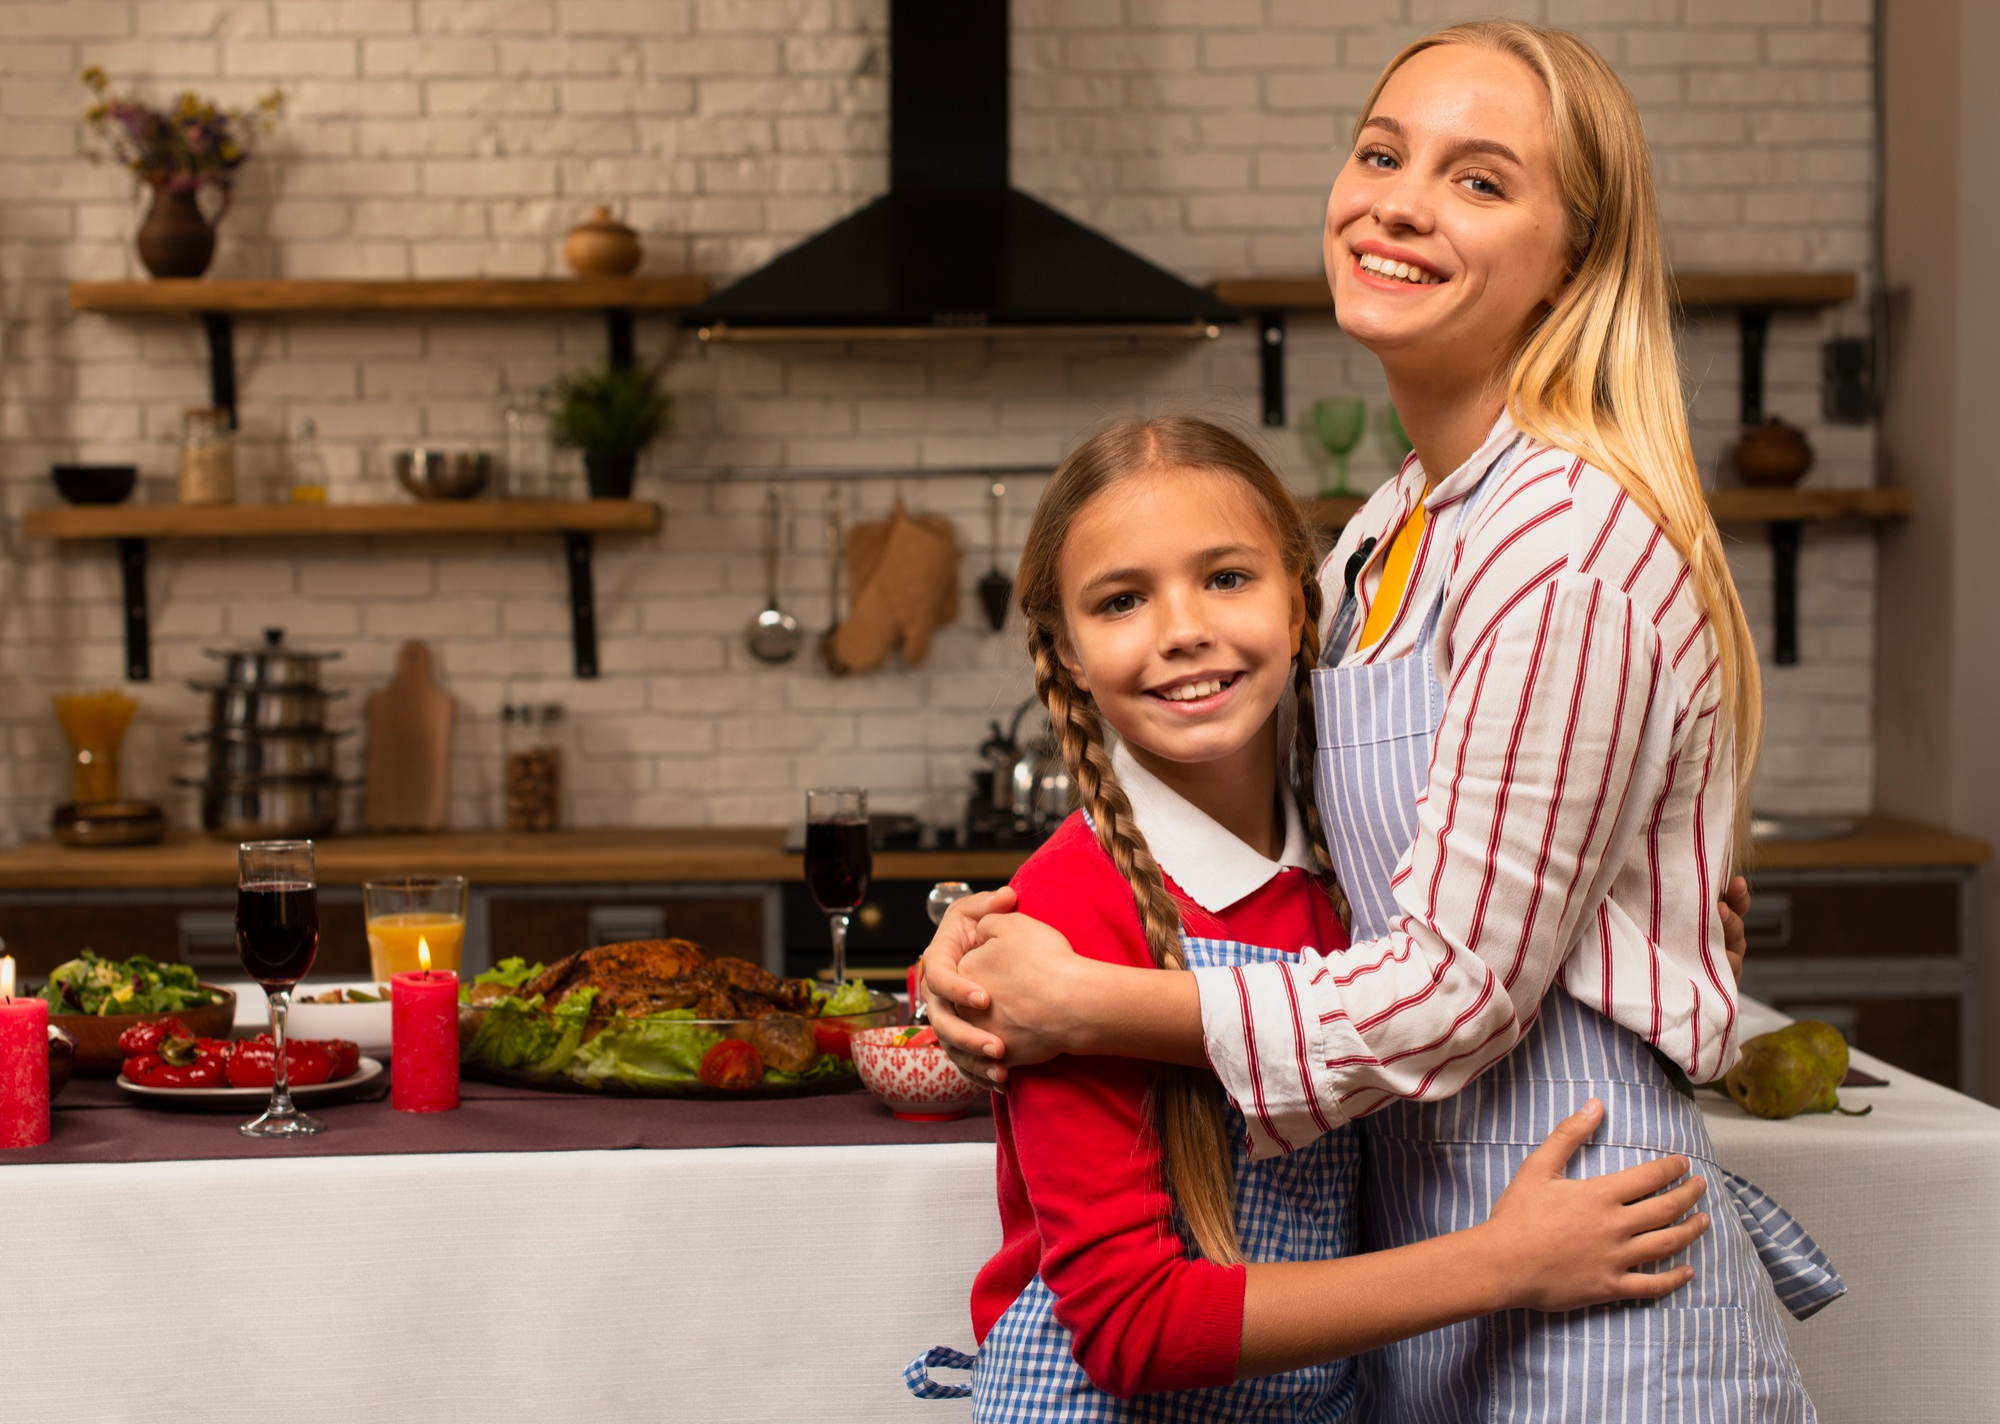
{"x": 409, "y": 748}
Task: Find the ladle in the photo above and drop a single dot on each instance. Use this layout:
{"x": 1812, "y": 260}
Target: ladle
{"x": 996, "y": 590}
{"x": 773, "y": 634}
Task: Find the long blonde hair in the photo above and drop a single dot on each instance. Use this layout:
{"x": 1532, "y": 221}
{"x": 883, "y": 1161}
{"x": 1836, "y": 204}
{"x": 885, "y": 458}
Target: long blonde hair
{"x": 1186, "y": 1105}
{"x": 1598, "y": 374}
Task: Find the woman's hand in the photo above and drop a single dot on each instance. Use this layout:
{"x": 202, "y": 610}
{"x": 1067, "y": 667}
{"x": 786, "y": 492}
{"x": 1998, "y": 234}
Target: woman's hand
{"x": 1735, "y": 904}
{"x": 1566, "y": 1244}
{"x": 949, "y": 995}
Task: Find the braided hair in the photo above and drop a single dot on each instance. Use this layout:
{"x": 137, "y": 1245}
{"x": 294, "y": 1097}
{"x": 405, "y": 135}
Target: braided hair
{"x": 1186, "y": 1105}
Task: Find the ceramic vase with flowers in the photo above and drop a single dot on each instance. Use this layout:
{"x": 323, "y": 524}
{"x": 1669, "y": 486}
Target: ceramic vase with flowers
{"x": 177, "y": 152}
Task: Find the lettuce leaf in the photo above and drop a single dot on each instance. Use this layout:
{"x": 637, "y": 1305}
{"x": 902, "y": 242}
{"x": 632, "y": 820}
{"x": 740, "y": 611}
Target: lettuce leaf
{"x": 656, "y": 1051}
{"x": 824, "y": 1066}
{"x": 518, "y": 1034}
{"x": 849, "y": 998}
{"x": 510, "y": 973}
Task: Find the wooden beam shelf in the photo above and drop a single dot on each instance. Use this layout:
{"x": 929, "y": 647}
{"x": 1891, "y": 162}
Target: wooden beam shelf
{"x": 1752, "y": 295}
{"x": 131, "y": 527}
{"x": 218, "y": 303}
{"x": 310, "y": 521}
{"x": 199, "y": 294}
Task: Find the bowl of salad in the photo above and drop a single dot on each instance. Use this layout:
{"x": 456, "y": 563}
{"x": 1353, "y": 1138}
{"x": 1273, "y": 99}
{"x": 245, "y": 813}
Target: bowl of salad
{"x": 94, "y": 1000}
{"x": 662, "y": 1018}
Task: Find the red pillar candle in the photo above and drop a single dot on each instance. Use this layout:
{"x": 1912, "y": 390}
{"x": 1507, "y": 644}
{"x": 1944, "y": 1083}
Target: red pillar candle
{"x": 423, "y": 1041}
{"x": 24, "y": 1065}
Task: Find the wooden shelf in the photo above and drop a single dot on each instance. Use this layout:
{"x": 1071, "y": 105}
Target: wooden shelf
{"x": 132, "y": 527}
{"x": 1691, "y": 289}
{"x": 465, "y": 294}
{"x": 1731, "y": 506}
{"x": 308, "y": 521}
{"x": 1746, "y": 506}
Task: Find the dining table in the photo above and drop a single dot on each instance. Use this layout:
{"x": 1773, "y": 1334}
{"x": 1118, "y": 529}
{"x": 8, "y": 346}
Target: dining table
{"x": 548, "y": 1257}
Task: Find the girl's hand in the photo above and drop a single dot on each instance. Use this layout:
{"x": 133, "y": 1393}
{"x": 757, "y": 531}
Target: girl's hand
{"x": 1567, "y": 1244}
{"x": 949, "y": 995}
{"x": 1735, "y": 904}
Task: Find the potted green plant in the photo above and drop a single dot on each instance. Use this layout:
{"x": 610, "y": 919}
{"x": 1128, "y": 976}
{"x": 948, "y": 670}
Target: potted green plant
{"x": 177, "y": 151}
{"x": 611, "y": 413}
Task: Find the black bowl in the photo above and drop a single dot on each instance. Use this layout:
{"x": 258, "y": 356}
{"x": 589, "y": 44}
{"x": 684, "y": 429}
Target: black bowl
{"x": 94, "y": 484}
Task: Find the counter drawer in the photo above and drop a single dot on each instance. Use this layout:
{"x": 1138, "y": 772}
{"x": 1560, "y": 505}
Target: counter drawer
{"x": 1855, "y": 918}
{"x": 194, "y": 927}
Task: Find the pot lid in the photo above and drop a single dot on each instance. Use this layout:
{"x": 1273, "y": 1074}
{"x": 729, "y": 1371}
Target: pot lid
{"x": 273, "y": 642}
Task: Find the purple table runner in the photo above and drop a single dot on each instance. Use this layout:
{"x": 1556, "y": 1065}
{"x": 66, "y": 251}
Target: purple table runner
{"x": 96, "y": 1121}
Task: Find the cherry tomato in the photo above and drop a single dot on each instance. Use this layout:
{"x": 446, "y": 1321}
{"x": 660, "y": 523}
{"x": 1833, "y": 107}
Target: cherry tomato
{"x": 732, "y": 1064}
{"x": 832, "y": 1038}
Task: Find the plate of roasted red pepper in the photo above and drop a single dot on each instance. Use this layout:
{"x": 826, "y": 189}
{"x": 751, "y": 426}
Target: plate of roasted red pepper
{"x": 167, "y": 1062}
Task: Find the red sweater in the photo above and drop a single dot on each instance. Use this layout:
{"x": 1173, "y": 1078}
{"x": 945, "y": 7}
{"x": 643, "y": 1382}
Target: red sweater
{"x": 1081, "y": 1198}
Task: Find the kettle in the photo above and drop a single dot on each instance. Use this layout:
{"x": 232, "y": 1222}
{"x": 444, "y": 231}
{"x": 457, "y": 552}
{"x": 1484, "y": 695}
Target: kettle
{"x": 1030, "y": 783}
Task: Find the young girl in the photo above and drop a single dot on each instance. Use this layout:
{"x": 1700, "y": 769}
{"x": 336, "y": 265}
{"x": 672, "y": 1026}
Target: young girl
{"x": 1536, "y": 728}
{"x": 1170, "y": 599}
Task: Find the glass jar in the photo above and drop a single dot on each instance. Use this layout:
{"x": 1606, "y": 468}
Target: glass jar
{"x": 531, "y": 737}
{"x": 308, "y": 466}
{"x": 528, "y": 475}
{"x": 208, "y": 457}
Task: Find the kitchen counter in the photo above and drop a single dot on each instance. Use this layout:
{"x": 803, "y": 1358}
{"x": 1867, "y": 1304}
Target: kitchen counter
{"x": 724, "y": 854}
{"x": 710, "y": 855}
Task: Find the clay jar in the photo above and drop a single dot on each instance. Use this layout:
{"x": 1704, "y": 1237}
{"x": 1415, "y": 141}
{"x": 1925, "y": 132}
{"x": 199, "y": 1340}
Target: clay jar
{"x": 1773, "y": 455}
{"x": 176, "y": 240}
{"x": 602, "y": 246}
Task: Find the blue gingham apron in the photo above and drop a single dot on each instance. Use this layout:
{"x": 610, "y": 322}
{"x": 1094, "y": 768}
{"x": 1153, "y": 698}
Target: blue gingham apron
{"x": 1292, "y": 1208}
{"x": 1715, "y": 1350}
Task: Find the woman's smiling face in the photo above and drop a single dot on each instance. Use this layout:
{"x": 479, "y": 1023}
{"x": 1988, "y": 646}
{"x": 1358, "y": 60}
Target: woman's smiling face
{"x": 1446, "y": 234}
{"x": 1180, "y": 618}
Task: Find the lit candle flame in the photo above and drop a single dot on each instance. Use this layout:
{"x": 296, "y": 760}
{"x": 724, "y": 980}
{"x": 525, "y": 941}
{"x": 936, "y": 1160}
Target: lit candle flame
{"x": 423, "y": 954}
{"x": 7, "y": 977}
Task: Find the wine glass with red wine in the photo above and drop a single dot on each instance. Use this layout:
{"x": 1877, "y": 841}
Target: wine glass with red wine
{"x": 838, "y": 861}
{"x": 277, "y": 935}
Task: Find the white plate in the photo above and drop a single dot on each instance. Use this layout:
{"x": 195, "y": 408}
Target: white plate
{"x": 305, "y": 1092}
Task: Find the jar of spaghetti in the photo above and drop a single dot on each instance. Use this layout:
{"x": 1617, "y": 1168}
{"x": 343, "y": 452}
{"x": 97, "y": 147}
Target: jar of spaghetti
{"x": 208, "y": 457}
{"x": 531, "y": 734}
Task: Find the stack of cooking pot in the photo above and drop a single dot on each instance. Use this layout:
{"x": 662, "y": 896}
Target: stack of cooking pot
{"x": 270, "y": 755}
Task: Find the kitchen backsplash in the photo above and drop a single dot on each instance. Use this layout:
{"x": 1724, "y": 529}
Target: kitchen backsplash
{"x": 453, "y": 137}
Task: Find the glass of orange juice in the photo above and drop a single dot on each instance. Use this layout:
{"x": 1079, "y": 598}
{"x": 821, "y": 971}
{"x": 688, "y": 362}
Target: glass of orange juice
{"x": 409, "y": 908}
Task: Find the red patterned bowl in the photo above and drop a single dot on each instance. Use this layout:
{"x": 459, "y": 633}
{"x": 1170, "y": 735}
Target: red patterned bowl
{"x": 916, "y": 1082}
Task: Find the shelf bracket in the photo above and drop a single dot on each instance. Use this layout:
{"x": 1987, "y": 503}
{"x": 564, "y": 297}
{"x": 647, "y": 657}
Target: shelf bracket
{"x": 221, "y": 362}
{"x": 1785, "y": 591}
{"x": 1754, "y": 327}
{"x": 618, "y": 326}
{"x": 1271, "y": 357}
{"x": 138, "y": 634}
{"x": 582, "y": 602}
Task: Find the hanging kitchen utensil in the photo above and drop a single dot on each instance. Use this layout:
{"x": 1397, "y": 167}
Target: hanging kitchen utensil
{"x": 833, "y": 663}
{"x": 996, "y": 590}
{"x": 409, "y": 748}
{"x": 902, "y": 585}
{"x": 774, "y": 634}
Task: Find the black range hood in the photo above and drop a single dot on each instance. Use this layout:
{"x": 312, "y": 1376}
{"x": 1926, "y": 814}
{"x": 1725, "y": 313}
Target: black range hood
{"x": 952, "y": 249}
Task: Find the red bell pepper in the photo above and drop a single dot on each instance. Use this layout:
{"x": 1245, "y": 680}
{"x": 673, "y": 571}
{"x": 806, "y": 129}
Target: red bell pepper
{"x": 251, "y": 1064}
{"x": 144, "y": 1038}
{"x": 181, "y": 1062}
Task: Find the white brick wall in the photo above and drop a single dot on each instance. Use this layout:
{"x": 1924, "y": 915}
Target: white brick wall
{"x": 452, "y": 137}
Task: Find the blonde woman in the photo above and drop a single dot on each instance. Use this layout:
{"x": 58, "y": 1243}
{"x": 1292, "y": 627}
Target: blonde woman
{"x": 1536, "y": 719}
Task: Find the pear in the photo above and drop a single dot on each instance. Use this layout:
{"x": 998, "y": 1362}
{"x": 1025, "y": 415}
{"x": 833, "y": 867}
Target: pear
{"x": 1796, "y": 1069}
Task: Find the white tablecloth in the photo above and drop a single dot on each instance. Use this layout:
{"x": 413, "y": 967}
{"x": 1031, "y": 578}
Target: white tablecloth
{"x": 779, "y": 1283}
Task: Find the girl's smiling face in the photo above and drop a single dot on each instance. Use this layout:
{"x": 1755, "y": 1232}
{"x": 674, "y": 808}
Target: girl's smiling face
{"x": 1447, "y": 233}
{"x": 1180, "y": 618}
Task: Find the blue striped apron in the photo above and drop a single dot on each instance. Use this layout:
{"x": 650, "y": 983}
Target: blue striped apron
{"x": 1292, "y": 1208}
{"x": 1715, "y": 1350}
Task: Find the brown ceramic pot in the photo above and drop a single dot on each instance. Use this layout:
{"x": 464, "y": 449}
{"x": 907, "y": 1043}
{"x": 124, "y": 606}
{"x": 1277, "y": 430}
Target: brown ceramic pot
{"x": 1773, "y": 455}
{"x": 602, "y": 246}
{"x": 96, "y": 1035}
{"x": 176, "y": 240}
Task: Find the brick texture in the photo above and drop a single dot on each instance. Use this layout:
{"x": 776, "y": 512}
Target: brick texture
{"x": 446, "y": 137}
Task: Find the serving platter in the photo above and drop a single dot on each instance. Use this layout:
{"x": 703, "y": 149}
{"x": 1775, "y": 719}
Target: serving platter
{"x": 240, "y": 1099}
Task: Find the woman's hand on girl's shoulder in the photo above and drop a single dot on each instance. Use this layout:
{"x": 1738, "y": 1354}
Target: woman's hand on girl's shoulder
{"x": 1564, "y": 1244}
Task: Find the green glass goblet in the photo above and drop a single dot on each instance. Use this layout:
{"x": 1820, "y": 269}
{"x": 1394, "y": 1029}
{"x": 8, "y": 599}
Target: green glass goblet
{"x": 1338, "y": 423}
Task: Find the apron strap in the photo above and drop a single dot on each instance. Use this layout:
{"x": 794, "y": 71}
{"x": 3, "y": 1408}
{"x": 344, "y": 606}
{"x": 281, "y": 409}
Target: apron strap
{"x": 1803, "y": 1277}
{"x": 917, "y": 1373}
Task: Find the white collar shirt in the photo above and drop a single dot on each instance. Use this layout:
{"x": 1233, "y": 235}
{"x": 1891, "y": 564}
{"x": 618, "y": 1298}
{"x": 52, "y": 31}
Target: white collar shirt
{"x": 1208, "y": 862}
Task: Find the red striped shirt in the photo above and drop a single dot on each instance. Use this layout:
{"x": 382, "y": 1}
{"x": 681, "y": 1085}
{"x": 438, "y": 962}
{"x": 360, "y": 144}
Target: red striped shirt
{"x": 1578, "y": 820}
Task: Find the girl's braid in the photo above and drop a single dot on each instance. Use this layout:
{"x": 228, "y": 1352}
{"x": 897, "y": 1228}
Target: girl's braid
{"x": 1187, "y": 1107}
{"x": 1305, "y": 742}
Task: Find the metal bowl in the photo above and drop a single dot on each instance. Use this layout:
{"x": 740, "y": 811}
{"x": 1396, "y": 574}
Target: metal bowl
{"x": 263, "y": 808}
{"x": 245, "y": 752}
{"x": 442, "y": 474}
